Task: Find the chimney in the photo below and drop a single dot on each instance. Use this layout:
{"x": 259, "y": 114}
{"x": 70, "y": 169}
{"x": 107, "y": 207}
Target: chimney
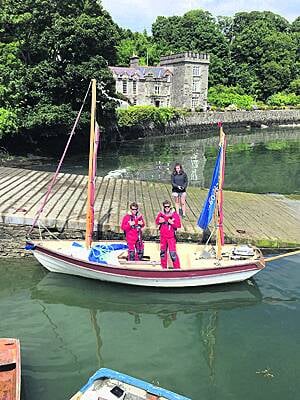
{"x": 134, "y": 61}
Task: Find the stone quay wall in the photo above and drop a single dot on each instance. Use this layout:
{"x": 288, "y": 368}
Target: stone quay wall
{"x": 197, "y": 121}
{"x": 13, "y": 238}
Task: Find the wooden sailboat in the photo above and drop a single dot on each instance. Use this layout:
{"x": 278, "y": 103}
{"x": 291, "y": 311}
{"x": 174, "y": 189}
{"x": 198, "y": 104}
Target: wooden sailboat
{"x": 10, "y": 369}
{"x": 200, "y": 265}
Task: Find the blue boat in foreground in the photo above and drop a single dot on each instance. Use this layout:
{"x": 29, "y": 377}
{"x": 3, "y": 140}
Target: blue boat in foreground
{"x": 107, "y": 384}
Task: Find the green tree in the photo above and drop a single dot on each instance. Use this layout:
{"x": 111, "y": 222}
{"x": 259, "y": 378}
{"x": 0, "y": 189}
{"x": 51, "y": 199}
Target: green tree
{"x": 139, "y": 44}
{"x": 198, "y": 31}
{"x": 295, "y": 28}
{"x": 8, "y": 122}
{"x": 54, "y": 48}
{"x": 262, "y": 42}
{"x": 295, "y": 86}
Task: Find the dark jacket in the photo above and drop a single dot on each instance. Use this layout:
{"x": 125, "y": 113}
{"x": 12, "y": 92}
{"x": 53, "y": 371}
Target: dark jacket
{"x": 179, "y": 180}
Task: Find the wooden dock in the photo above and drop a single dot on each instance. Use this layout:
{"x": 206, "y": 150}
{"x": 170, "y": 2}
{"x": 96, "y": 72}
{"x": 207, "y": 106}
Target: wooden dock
{"x": 264, "y": 220}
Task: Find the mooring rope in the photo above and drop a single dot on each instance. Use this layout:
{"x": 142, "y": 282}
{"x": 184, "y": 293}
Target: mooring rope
{"x": 291, "y": 253}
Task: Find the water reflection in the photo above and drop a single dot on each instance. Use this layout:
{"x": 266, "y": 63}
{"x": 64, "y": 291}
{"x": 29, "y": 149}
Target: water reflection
{"x": 104, "y": 297}
{"x": 203, "y": 342}
{"x": 150, "y": 312}
{"x": 258, "y": 161}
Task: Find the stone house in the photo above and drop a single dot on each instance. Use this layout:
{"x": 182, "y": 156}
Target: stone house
{"x": 180, "y": 80}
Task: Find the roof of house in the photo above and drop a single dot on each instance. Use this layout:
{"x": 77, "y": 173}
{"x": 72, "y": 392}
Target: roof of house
{"x": 142, "y": 72}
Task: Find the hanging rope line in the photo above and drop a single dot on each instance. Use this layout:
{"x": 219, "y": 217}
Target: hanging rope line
{"x": 53, "y": 180}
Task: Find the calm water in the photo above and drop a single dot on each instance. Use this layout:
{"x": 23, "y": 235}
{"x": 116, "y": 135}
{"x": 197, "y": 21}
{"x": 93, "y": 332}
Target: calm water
{"x": 230, "y": 342}
{"x": 257, "y": 161}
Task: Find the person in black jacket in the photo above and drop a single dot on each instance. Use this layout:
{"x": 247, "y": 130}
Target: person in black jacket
{"x": 179, "y": 181}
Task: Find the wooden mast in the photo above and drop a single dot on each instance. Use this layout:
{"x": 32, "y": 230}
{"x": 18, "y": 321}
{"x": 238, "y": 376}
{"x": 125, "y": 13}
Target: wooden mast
{"x": 220, "y": 195}
{"x": 91, "y": 175}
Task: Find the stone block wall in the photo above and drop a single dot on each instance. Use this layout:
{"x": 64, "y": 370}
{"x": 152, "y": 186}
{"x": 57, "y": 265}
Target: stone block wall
{"x": 198, "y": 121}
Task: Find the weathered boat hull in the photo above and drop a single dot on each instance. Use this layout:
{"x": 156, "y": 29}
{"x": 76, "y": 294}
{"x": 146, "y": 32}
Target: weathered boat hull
{"x": 152, "y": 276}
{"x": 10, "y": 369}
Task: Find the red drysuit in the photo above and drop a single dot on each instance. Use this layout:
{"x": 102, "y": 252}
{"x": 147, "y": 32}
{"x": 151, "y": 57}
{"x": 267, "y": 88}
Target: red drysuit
{"x": 133, "y": 235}
{"x": 168, "y": 237}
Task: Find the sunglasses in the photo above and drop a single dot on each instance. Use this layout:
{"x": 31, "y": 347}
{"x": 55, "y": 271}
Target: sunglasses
{"x": 167, "y": 206}
{"x": 134, "y": 209}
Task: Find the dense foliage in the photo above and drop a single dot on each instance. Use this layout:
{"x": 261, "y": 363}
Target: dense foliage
{"x": 8, "y": 122}
{"x": 198, "y": 31}
{"x": 222, "y": 96}
{"x": 284, "y": 99}
{"x": 49, "y": 51}
{"x": 147, "y": 116}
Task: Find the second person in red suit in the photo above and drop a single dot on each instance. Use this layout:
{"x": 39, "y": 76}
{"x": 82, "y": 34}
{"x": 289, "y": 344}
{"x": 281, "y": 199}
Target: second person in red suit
{"x": 168, "y": 222}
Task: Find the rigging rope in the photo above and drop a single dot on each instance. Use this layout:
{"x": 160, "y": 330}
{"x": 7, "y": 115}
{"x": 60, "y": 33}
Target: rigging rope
{"x": 52, "y": 182}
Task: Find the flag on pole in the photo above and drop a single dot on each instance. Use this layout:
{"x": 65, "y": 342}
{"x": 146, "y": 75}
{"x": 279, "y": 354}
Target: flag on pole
{"x": 210, "y": 202}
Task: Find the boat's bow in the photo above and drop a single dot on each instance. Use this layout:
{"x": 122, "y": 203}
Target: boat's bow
{"x": 10, "y": 369}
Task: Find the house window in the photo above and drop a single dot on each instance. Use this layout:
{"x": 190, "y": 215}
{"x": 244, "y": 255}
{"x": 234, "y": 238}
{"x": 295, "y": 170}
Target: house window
{"x": 125, "y": 86}
{"x": 196, "y": 70}
{"x": 157, "y": 89}
{"x": 169, "y": 78}
{"x": 134, "y": 101}
{"x": 195, "y": 86}
{"x": 134, "y": 87}
{"x": 194, "y": 102}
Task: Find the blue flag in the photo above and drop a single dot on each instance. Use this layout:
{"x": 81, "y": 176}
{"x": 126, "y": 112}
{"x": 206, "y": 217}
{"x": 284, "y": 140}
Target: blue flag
{"x": 210, "y": 202}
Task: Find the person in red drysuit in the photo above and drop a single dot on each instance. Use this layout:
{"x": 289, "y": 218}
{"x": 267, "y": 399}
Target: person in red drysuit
{"x": 168, "y": 222}
{"x": 132, "y": 224}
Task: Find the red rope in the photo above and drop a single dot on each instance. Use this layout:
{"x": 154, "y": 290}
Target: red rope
{"x": 52, "y": 182}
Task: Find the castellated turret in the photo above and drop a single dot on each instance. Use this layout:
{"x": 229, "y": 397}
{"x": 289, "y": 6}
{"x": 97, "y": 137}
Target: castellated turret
{"x": 190, "y": 79}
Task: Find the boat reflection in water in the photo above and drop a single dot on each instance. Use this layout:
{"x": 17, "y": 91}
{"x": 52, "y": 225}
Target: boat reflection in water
{"x": 143, "y": 332}
{"x": 101, "y": 296}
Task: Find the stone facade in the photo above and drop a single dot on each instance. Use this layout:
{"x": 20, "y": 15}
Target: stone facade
{"x": 180, "y": 80}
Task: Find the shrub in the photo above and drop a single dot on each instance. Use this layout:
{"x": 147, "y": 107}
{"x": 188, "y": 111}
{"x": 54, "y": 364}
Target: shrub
{"x": 283, "y": 99}
{"x": 222, "y": 96}
{"x": 8, "y": 122}
{"x": 147, "y": 115}
{"x": 295, "y": 86}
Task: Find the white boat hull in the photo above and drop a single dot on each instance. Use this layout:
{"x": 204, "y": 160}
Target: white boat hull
{"x": 152, "y": 276}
